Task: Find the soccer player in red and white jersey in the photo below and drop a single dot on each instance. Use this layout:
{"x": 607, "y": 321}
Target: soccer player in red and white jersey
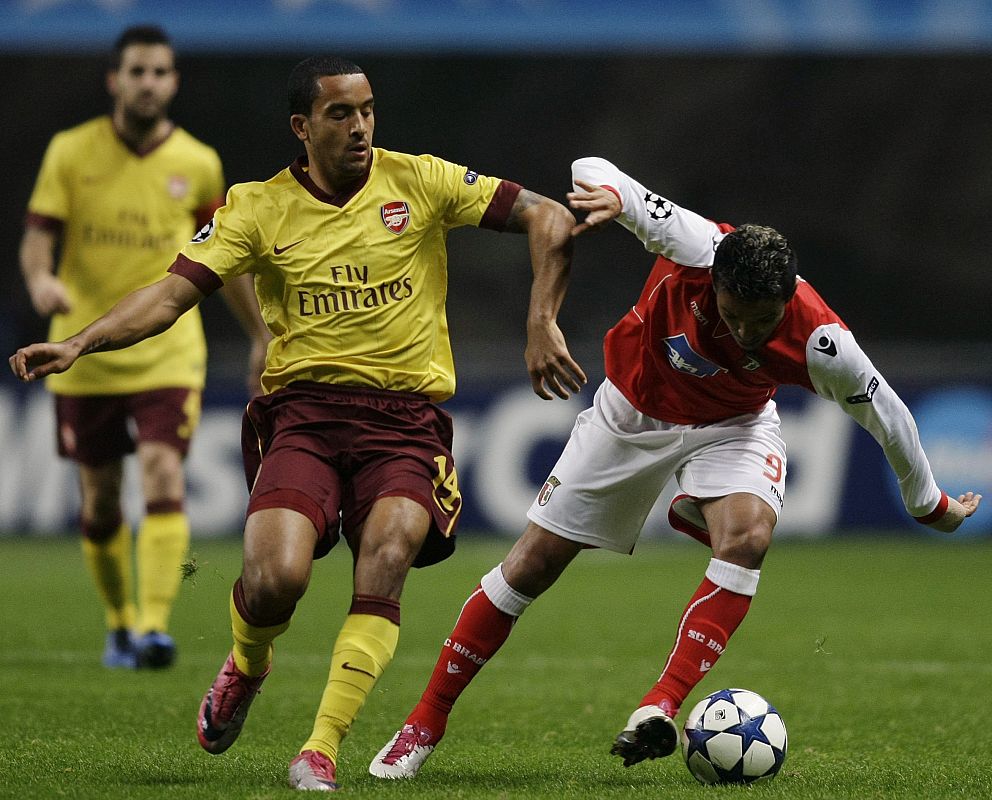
{"x": 347, "y": 250}
{"x": 723, "y": 320}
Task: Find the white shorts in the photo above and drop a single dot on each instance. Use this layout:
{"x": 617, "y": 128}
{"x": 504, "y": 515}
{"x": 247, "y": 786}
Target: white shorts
{"x": 617, "y": 461}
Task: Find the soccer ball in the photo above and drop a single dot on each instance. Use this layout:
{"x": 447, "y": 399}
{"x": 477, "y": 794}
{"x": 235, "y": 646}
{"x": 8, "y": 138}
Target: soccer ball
{"x": 734, "y": 736}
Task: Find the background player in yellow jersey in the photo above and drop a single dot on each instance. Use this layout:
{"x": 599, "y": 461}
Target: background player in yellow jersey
{"x": 117, "y": 196}
{"x": 347, "y": 249}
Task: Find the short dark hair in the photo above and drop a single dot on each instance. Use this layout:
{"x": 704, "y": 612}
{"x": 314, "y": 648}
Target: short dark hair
{"x": 754, "y": 262}
{"x": 137, "y": 34}
{"x": 303, "y": 86}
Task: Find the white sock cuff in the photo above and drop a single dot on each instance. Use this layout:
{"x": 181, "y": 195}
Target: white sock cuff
{"x": 502, "y": 595}
{"x": 732, "y": 577}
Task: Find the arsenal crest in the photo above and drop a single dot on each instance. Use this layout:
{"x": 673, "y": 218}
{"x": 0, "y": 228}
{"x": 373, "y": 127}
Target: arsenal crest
{"x": 178, "y": 187}
{"x": 395, "y": 216}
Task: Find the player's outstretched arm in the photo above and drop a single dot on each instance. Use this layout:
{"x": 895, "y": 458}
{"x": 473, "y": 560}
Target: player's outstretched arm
{"x": 957, "y": 511}
{"x": 548, "y": 224}
{"x": 143, "y": 313}
{"x": 600, "y": 205}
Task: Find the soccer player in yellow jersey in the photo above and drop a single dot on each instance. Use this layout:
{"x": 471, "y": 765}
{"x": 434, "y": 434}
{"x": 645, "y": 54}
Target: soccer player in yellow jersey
{"x": 118, "y": 195}
{"x": 347, "y": 250}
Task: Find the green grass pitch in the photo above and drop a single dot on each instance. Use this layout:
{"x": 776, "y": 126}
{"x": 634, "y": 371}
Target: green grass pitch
{"x": 876, "y": 650}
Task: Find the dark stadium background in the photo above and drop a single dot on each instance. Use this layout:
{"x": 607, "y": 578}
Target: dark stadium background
{"x": 873, "y": 155}
{"x": 879, "y": 169}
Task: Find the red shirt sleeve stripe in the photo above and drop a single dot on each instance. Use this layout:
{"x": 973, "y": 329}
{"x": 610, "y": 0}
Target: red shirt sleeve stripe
{"x": 937, "y": 513}
{"x": 611, "y": 189}
{"x": 200, "y": 275}
{"x": 498, "y": 212}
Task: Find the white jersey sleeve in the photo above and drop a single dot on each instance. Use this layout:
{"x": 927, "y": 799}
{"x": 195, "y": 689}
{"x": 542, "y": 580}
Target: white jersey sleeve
{"x": 664, "y": 228}
{"x": 840, "y": 371}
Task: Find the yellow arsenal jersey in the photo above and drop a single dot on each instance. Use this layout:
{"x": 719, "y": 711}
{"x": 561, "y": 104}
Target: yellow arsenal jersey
{"x": 123, "y": 216}
{"x": 353, "y": 288}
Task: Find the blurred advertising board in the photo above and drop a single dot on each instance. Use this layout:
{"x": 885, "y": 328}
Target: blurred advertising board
{"x": 507, "y": 440}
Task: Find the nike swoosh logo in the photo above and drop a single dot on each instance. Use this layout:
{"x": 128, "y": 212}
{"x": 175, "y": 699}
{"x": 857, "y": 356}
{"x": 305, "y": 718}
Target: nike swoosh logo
{"x": 280, "y": 250}
{"x": 346, "y": 665}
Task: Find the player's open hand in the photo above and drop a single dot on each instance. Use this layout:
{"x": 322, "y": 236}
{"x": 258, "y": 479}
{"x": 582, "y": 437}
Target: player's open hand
{"x": 957, "y": 512}
{"x": 551, "y": 367}
{"x": 38, "y": 360}
{"x": 601, "y": 205}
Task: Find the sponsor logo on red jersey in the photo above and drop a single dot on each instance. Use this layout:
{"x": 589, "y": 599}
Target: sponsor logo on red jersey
{"x": 683, "y": 358}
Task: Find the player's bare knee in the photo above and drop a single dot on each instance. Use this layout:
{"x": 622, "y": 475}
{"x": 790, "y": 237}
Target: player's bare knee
{"x": 161, "y": 471}
{"x": 536, "y": 561}
{"x": 271, "y": 588}
{"x": 102, "y": 512}
{"x": 745, "y": 547}
{"x": 393, "y": 555}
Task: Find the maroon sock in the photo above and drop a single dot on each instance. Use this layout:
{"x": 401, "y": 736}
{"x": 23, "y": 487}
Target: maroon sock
{"x": 709, "y": 621}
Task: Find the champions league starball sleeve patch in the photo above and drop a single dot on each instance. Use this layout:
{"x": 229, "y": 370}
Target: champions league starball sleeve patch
{"x": 204, "y": 233}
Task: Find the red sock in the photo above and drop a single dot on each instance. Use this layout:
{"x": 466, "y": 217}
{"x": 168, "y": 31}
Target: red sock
{"x": 479, "y": 632}
{"x": 709, "y": 621}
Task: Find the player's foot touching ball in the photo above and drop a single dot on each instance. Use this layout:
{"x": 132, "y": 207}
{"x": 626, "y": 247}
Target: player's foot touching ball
{"x": 649, "y": 733}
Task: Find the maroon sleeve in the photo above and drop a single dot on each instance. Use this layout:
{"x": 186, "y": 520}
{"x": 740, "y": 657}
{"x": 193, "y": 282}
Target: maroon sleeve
{"x": 205, "y": 213}
{"x": 499, "y": 207}
{"x": 53, "y": 224}
{"x": 200, "y": 275}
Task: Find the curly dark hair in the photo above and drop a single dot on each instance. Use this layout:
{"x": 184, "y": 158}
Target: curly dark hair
{"x": 303, "y": 86}
{"x": 137, "y": 34}
{"x": 755, "y": 262}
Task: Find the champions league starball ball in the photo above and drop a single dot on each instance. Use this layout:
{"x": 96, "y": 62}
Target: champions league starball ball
{"x": 733, "y": 736}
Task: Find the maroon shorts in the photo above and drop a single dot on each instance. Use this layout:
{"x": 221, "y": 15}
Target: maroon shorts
{"x": 96, "y": 429}
{"x": 329, "y": 452}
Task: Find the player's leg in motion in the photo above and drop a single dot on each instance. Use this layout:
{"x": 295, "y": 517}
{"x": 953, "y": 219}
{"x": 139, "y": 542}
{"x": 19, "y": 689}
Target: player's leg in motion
{"x": 165, "y": 420}
{"x": 163, "y": 540}
{"x": 278, "y": 556}
{"x": 533, "y": 564}
{"x": 741, "y": 527}
{"x": 388, "y": 543}
{"x": 106, "y": 546}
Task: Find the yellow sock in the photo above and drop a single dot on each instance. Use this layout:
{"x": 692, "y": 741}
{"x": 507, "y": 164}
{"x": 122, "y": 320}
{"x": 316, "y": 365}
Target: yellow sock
{"x": 252, "y": 645}
{"x": 363, "y": 650}
{"x": 162, "y": 543}
{"x": 109, "y": 564}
